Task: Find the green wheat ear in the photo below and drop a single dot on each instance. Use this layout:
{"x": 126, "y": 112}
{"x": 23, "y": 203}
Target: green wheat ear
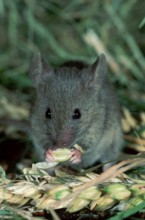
{"x": 96, "y": 192}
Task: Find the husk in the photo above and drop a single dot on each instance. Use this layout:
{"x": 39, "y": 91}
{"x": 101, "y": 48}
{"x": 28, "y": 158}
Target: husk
{"x": 99, "y": 192}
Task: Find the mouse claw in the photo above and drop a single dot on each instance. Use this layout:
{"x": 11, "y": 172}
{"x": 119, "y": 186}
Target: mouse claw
{"x": 75, "y": 156}
{"x": 49, "y": 156}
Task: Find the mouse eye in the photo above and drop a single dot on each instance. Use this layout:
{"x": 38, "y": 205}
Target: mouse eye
{"x": 76, "y": 114}
{"x": 48, "y": 113}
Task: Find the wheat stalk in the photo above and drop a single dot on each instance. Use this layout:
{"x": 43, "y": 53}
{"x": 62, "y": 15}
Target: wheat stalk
{"x": 99, "y": 192}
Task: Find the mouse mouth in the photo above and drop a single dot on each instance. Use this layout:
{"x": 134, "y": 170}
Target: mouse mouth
{"x": 59, "y": 155}
{"x": 73, "y": 154}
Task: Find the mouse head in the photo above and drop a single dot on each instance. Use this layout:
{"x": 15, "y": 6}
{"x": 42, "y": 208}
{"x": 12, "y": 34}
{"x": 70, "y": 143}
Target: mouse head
{"x": 68, "y": 101}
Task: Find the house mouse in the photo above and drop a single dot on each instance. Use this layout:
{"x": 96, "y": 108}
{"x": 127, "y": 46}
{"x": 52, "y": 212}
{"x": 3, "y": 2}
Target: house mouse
{"x": 75, "y": 103}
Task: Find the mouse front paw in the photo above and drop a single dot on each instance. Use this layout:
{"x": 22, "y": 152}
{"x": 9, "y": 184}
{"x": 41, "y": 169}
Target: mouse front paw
{"x": 75, "y": 156}
{"x": 49, "y": 156}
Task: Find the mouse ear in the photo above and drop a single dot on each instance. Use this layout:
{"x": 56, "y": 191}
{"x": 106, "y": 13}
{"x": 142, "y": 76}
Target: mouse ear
{"x": 97, "y": 71}
{"x": 39, "y": 70}
{"x": 99, "y": 67}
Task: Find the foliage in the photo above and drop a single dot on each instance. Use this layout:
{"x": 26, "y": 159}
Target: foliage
{"x": 58, "y": 30}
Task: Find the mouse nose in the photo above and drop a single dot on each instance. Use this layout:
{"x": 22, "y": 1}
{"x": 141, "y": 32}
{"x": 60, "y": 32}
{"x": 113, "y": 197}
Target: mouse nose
{"x": 62, "y": 139}
{"x": 59, "y": 144}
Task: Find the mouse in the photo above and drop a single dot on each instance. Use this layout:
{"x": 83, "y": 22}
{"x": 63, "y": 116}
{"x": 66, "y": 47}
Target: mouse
{"x": 75, "y": 103}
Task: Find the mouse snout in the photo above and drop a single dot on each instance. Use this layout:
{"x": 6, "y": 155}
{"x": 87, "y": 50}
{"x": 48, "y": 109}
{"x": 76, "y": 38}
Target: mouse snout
{"x": 62, "y": 140}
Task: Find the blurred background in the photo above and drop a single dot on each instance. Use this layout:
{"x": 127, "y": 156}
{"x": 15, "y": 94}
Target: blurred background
{"x": 69, "y": 30}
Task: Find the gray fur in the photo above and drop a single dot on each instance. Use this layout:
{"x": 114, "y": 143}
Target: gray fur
{"x": 64, "y": 89}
